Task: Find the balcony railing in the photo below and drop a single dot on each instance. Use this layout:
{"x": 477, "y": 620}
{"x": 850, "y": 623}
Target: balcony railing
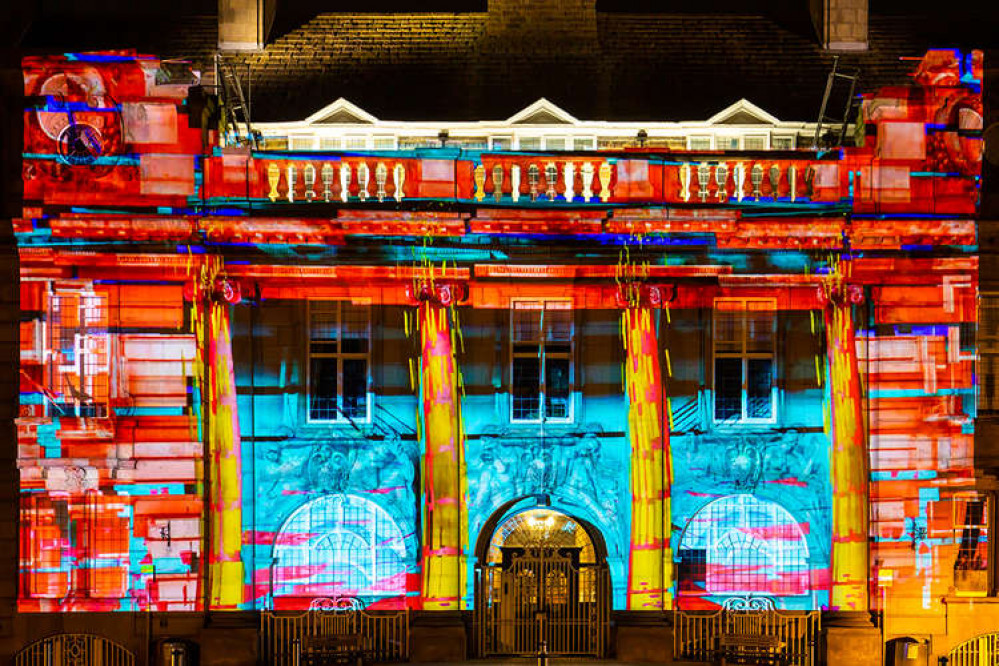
{"x": 525, "y": 180}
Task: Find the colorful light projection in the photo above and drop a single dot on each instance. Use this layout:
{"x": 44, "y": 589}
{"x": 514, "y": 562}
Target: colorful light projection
{"x": 153, "y": 401}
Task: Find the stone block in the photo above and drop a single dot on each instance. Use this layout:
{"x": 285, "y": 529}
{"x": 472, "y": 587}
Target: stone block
{"x": 644, "y": 644}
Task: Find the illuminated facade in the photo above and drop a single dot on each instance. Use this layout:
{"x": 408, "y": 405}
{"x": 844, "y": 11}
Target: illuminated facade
{"x": 255, "y": 379}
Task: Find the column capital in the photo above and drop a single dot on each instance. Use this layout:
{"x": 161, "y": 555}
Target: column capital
{"x": 644, "y": 294}
{"x": 437, "y": 292}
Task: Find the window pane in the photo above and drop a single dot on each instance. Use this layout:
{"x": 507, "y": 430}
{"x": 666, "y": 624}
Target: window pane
{"x": 553, "y": 143}
{"x": 354, "y": 329}
{"x": 558, "y": 325}
{"x": 728, "y": 388}
{"x": 322, "y": 389}
{"x": 755, "y": 143}
{"x": 355, "y": 384}
{"x": 759, "y": 381}
{"x": 526, "y": 388}
{"x": 323, "y": 320}
{"x": 760, "y": 331}
{"x": 582, "y": 144}
{"x": 700, "y": 143}
{"x": 526, "y": 323}
{"x": 557, "y": 388}
{"x": 530, "y": 143}
{"x": 501, "y": 143}
{"x": 728, "y": 331}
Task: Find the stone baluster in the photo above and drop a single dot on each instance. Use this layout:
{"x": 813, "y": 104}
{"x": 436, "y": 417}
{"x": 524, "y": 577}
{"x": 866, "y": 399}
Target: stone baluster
{"x": 398, "y": 179}
{"x": 290, "y": 176}
{"x": 326, "y": 173}
{"x": 721, "y": 180}
{"x": 309, "y": 176}
{"x": 740, "y": 180}
{"x": 497, "y": 182}
{"x": 551, "y": 179}
{"x": 345, "y": 181}
{"x": 792, "y": 181}
{"x": 568, "y": 172}
{"x": 775, "y": 181}
{"x": 606, "y": 172}
{"x": 515, "y": 182}
{"x": 533, "y": 180}
{"x": 685, "y": 182}
{"x": 273, "y": 180}
{"x": 363, "y": 178}
{"x": 479, "y": 178}
{"x": 587, "y": 171}
{"x": 756, "y": 176}
{"x": 381, "y": 181}
{"x": 703, "y": 179}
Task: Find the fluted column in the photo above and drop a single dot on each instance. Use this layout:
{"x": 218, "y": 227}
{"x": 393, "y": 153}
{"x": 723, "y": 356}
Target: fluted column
{"x": 443, "y": 452}
{"x": 849, "y": 465}
{"x": 650, "y": 565}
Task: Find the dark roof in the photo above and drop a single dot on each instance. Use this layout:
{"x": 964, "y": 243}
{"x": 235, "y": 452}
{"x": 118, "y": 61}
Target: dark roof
{"x": 469, "y": 65}
{"x": 632, "y": 67}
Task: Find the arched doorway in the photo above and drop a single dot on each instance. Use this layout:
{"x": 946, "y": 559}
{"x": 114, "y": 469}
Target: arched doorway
{"x": 542, "y": 578}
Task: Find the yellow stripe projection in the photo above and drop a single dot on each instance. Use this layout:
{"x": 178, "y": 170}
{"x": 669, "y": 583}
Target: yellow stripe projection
{"x": 650, "y": 570}
{"x": 849, "y": 468}
{"x": 443, "y": 542}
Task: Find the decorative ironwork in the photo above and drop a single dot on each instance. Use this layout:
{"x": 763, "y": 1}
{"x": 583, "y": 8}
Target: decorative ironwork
{"x": 749, "y": 603}
{"x": 74, "y": 650}
{"x": 379, "y": 635}
{"x": 982, "y": 649}
{"x": 699, "y": 635}
{"x": 542, "y": 595}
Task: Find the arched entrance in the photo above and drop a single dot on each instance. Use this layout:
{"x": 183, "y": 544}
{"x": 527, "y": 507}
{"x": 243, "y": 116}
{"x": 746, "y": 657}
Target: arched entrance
{"x": 541, "y": 578}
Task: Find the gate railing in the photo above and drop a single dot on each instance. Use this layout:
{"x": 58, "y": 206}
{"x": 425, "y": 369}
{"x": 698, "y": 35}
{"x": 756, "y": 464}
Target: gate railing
{"x": 979, "y": 650}
{"x": 383, "y": 635}
{"x": 542, "y": 599}
{"x": 74, "y": 650}
{"x": 696, "y": 633}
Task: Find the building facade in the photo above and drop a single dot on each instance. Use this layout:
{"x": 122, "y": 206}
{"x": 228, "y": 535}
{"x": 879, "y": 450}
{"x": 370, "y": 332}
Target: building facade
{"x": 515, "y": 381}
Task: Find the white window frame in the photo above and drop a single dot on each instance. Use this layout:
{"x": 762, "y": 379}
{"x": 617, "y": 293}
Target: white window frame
{"x": 364, "y": 138}
{"x": 764, "y": 137}
{"x": 745, "y": 355}
{"x": 781, "y": 137}
{"x": 591, "y": 139}
{"x": 92, "y": 351}
{"x": 299, "y": 142}
{"x": 695, "y": 137}
{"x": 385, "y": 137}
{"x": 519, "y": 139}
{"x": 564, "y": 304}
{"x": 501, "y": 137}
{"x": 340, "y": 356}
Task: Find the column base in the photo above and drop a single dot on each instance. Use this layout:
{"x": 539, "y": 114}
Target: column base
{"x": 851, "y": 639}
{"x": 438, "y": 636}
{"x": 643, "y": 637}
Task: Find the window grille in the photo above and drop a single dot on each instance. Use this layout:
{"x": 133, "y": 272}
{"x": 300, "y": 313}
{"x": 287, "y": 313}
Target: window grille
{"x": 529, "y": 143}
{"x": 783, "y": 142}
{"x": 355, "y": 142}
{"x": 700, "y": 143}
{"x": 585, "y": 143}
{"x": 340, "y": 545}
{"x": 79, "y": 371}
{"x": 754, "y": 143}
{"x": 971, "y": 535}
{"x": 744, "y": 349}
{"x": 542, "y": 335}
{"x": 500, "y": 143}
{"x": 329, "y": 143}
{"x": 339, "y": 359}
{"x": 302, "y": 143}
{"x": 743, "y": 545}
{"x": 384, "y": 143}
{"x": 554, "y": 143}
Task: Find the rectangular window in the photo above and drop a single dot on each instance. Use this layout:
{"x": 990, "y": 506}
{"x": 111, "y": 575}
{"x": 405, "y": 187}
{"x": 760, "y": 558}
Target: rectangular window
{"x": 541, "y": 368}
{"x": 988, "y": 353}
{"x": 744, "y": 346}
{"x": 583, "y": 143}
{"x": 79, "y": 367}
{"x": 754, "y": 143}
{"x": 554, "y": 143}
{"x": 783, "y": 143}
{"x": 339, "y": 358}
{"x": 699, "y": 143}
{"x": 384, "y": 143}
{"x": 329, "y": 143}
{"x": 500, "y": 143}
{"x": 355, "y": 142}
{"x": 971, "y": 534}
{"x": 529, "y": 143}
{"x": 302, "y": 143}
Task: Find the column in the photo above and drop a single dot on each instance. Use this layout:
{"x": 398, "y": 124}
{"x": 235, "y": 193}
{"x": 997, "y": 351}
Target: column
{"x": 849, "y": 467}
{"x": 221, "y": 432}
{"x": 650, "y": 566}
{"x": 443, "y": 455}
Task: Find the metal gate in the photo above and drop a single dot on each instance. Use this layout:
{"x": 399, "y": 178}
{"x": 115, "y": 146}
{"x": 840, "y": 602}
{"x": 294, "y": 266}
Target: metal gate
{"x": 979, "y": 651}
{"x": 542, "y": 594}
{"x": 382, "y": 635}
{"x": 74, "y": 650}
{"x": 697, "y": 633}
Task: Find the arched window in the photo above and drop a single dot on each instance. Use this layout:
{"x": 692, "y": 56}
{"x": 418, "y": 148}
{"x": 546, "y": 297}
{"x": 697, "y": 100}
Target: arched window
{"x": 743, "y": 545}
{"x": 339, "y": 546}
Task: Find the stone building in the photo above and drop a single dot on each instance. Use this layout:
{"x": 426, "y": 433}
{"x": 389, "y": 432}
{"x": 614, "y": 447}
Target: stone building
{"x": 552, "y": 357}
